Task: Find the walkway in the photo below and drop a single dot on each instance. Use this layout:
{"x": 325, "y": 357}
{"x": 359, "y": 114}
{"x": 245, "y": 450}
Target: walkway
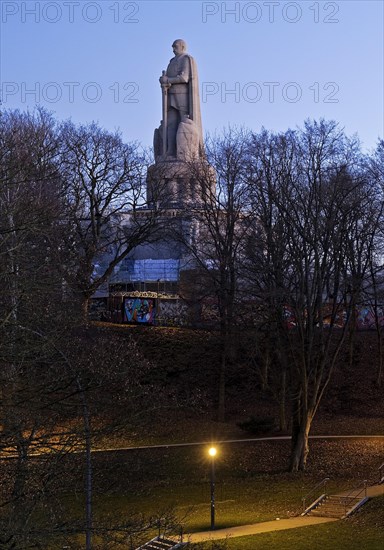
{"x": 372, "y": 491}
{"x": 276, "y": 525}
{"x": 256, "y": 528}
{"x": 220, "y": 442}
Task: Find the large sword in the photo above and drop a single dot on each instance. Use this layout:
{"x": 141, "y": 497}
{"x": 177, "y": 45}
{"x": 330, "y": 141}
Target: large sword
{"x": 164, "y": 88}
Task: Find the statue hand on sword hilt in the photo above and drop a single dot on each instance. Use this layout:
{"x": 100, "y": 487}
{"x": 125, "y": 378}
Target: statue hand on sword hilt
{"x": 164, "y": 81}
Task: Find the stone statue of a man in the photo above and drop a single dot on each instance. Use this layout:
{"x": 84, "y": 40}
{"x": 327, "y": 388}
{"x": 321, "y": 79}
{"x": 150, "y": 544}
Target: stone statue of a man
{"x": 180, "y": 102}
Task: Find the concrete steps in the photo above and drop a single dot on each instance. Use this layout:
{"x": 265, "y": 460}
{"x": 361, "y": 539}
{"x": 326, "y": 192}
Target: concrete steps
{"x": 336, "y": 506}
{"x": 161, "y": 543}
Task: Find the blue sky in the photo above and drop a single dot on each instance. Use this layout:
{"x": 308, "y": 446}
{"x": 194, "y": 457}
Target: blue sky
{"x": 264, "y": 63}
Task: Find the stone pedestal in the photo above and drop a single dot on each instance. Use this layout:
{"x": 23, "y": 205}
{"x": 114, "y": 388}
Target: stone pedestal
{"x": 179, "y": 184}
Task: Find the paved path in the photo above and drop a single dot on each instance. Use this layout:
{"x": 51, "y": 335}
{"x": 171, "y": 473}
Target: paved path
{"x": 249, "y": 440}
{"x": 255, "y": 529}
{"x": 202, "y": 444}
{"x": 11, "y": 456}
{"x": 372, "y": 491}
{"x": 276, "y": 525}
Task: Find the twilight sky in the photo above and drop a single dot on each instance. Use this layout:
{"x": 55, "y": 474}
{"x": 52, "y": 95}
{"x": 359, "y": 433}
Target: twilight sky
{"x": 264, "y": 63}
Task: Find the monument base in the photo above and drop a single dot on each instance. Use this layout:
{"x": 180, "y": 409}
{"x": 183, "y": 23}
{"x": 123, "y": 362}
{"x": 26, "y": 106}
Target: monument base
{"x": 174, "y": 183}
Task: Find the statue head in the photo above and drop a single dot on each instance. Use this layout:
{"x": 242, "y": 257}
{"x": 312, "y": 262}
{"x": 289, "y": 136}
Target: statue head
{"x": 179, "y": 46}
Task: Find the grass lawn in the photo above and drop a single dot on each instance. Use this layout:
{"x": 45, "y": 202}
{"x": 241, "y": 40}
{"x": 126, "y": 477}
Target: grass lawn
{"x": 251, "y": 487}
{"x": 361, "y": 532}
{"x": 131, "y": 488}
{"x": 238, "y": 503}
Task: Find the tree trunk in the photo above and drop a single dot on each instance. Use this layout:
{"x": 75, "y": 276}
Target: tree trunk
{"x": 88, "y": 483}
{"x": 222, "y": 376}
{"x": 352, "y": 333}
{"x": 88, "y": 463}
{"x": 227, "y": 355}
{"x": 300, "y": 447}
{"x": 282, "y": 399}
{"x": 265, "y": 369}
{"x": 85, "y": 309}
{"x": 379, "y": 379}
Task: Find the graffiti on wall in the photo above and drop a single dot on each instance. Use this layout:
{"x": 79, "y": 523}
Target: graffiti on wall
{"x": 172, "y": 312}
{"x": 366, "y": 317}
{"x": 139, "y": 310}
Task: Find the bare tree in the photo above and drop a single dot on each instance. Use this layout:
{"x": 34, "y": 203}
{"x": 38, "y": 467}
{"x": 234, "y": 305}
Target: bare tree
{"x": 30, "y": 300}
{"x": 104, "y": 182}
{"x": 29, "y": 204}
{"x": 312, "y": 204}
{"x": 267, "y": 261}
{"x": 374, "y": 289}
{"x": 214, "y": 243}
{"x": 58, "y": 384}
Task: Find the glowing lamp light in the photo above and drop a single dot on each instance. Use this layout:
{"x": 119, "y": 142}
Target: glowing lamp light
{"x": 212, "y": 451}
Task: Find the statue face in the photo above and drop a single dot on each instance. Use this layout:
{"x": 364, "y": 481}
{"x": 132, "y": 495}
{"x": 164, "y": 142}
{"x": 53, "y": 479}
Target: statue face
{"x": 178, "y": 47}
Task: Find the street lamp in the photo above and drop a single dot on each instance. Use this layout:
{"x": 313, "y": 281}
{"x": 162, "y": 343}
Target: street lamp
{"x": 158, "y": 303}
{"x": 212, "y": 453}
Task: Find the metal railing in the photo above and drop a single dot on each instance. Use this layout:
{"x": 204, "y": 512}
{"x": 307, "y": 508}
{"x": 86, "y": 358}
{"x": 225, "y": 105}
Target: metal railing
{"x": 349, "y": 498}
{"x": 381, "y": 473}
{"x": 322, "y": 483}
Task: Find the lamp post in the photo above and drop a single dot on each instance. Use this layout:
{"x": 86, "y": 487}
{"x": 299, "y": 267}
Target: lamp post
{"x": 158, "y": 303}
{"x": 212, "y": 453}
